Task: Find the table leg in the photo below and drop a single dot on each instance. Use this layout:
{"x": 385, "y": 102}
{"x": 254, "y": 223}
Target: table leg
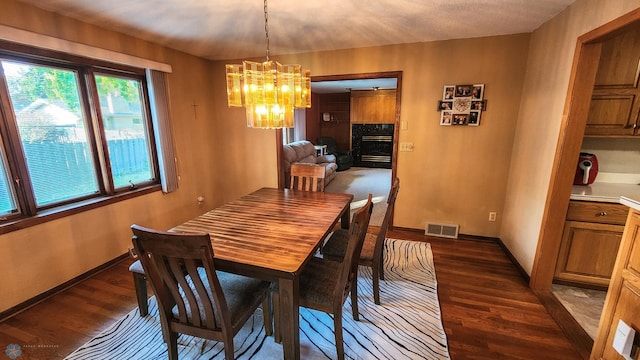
{"x": 290, "y": 317}
{"x": 345, "y": 219}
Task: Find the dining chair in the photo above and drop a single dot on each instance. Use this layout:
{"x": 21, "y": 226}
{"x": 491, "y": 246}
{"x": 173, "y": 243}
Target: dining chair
{"x": 372, "y": 254}
{"x": 307, "y": 177}
{"x": 193, "y": 298}
{"x": 140, "y": 284}
{"x": 325, "y": 284}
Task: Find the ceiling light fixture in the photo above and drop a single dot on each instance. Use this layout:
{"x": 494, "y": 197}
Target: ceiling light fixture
{"x": 269, "y": 91}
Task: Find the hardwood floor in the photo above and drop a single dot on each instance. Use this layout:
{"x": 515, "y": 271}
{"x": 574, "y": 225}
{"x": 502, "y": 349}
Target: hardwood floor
{"x": 488, "y": 311}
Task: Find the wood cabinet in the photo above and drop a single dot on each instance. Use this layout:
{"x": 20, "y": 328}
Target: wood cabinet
{"x": 373, "y": 107}
{"x": 615, "y": 103}
{"x": 623, "y": 298}
{"x": 590, "y": 243}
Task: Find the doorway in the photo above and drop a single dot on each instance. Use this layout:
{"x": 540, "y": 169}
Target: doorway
{"x": 581, "y": 85}
{"x": 334, "y": 120}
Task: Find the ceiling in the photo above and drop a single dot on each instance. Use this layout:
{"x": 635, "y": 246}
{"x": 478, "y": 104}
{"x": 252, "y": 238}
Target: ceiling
{"x": 223, "y": 29}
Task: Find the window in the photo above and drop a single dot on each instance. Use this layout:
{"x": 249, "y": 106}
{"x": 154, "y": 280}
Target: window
{"x": 71, "y": 132}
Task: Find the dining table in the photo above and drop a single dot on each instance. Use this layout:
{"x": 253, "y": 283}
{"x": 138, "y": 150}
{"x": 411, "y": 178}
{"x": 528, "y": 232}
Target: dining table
{"x": 271, "y": 234}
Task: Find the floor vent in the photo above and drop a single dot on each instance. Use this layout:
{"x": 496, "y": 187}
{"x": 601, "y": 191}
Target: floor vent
{"x": 442, "y": 230}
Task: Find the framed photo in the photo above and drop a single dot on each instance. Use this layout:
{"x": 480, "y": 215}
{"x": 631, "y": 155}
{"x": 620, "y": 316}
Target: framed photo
{"x": 460, "y": 119}
{"x": 479, "y": 105}
{"x": 448, "y": 92}
{"x": 445, "y": 105}
{"x": 446, "y": 117}
{"x": 463, "y": 90}
{"x": 477, "y": 91}
{"x": 474, "y": 118}
{"x": 462, "y": 104}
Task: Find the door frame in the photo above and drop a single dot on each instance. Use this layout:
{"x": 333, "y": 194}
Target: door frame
{"x": 581, "y": 82}
{"x": 360, "y": 76}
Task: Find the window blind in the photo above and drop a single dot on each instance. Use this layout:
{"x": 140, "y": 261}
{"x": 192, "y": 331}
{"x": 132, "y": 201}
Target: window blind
{"x": 159, "y": 101}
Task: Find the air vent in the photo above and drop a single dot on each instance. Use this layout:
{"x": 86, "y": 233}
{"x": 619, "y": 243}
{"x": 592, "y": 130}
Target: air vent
{"x": 442, "y": 230}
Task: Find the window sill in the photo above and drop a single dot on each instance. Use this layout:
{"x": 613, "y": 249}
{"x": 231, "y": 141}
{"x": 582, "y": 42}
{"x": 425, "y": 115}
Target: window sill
{"x": 72, "y": 209}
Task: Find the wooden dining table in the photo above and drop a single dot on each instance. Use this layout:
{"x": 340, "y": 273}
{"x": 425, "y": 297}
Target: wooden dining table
{"x": 271, "y": 234}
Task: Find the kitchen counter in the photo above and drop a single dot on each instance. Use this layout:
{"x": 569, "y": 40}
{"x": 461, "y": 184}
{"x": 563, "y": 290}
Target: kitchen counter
{"x": 625, "y": 194}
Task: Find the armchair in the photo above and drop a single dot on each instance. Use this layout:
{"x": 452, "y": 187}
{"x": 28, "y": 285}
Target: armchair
{"x": 344, "y": 159}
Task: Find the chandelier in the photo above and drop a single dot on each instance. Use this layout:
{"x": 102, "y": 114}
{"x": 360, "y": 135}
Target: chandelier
{"x": 269, "y": 91}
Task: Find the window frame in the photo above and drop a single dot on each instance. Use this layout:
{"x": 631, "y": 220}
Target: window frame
{"x": 29, "y": 214}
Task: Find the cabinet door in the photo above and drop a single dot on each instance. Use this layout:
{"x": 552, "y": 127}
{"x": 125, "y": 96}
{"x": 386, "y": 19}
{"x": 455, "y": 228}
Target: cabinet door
{"x": 615, "y": 104}
{"x": 623, "y": 298}
{"x": 588, "y": 252}
{"x": 373, "y": 107}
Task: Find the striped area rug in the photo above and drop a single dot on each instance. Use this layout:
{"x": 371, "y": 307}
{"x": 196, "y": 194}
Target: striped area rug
{"x": 406, "y": 326}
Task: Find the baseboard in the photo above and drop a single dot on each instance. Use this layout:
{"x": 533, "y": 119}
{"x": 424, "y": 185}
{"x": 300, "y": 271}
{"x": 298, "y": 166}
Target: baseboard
{"x": 567, "y": 323}
{"x": 515, "y": 262}
{"x": 4, "y": 315}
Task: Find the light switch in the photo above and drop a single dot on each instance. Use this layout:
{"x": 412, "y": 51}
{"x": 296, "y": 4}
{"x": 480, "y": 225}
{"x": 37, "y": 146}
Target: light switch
{"x": 623, "y": 340}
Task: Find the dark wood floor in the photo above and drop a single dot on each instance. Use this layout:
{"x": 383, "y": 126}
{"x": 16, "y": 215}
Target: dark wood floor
{"x": 488, "y": 311}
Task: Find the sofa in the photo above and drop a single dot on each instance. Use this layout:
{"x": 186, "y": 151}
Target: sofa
{"x": 303, "y": 151}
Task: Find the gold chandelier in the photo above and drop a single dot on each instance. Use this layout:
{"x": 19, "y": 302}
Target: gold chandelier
{"x": 269, "y": 91}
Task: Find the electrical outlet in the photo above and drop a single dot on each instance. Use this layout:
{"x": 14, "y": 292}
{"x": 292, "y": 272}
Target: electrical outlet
{"x": 406, "y": 146}
{"x": 492, "y": 216}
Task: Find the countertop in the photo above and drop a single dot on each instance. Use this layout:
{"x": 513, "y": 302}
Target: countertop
{"x": 626, "y": 194}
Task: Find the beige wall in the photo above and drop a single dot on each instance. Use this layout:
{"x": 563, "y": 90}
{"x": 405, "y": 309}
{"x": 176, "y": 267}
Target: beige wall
{"x": 455, "y": 174}
{"x": 541, "y": 113}
{"x": 210, "y": 164}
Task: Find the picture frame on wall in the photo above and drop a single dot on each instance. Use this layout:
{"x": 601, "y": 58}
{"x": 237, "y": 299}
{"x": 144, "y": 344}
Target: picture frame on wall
{"x": 463, "y": 90}
{"x": 445, "y": 105}
{"x": 477, "y": 92}
{"x": 445, "y": 118}
{"x": 462, "y": 105}
{"x": 460, "y": 119}
{"x": 474, "y": 118}
{"x": 448, "y": 92}
{"x": 479, "y": 105}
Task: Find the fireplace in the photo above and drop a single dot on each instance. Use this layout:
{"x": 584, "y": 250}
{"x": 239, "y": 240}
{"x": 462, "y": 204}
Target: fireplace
{"x": 372, "y": 145}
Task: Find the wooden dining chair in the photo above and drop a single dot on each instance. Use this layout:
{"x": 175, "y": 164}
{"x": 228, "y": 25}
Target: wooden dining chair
{"x": 193, "y": 298}
{"x": 372, "y": 254}
{"x": 140, "y": 284}
{"x": 307, "y": 177}
{"x": 326, "y": 284}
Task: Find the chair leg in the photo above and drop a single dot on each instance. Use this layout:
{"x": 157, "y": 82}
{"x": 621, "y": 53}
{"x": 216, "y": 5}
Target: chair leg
{"x": 140, "y": 283}
{"x": 172, "y": 346}
{"x": 354, "y": 297}
{"x": 275, "y": 300}
{"x": 228, "y": 347}
{"x": 376, "y": 283}
{"x": 266, "y": 315}
{"x": 381, "y": 265}
{"x": 337, "y": 329}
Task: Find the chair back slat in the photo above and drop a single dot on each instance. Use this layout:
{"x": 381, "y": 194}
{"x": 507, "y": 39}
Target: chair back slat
{"x": 357, "y": 233}
{"x": 307, "y": 177}
{"x": 179, "y": 266}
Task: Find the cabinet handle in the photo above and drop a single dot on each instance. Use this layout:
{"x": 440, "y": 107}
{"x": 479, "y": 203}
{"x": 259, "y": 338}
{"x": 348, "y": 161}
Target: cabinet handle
{"x": 602, "y": 213}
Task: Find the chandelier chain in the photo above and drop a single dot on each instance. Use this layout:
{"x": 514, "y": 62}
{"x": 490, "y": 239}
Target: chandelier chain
{"x": 266, "y": 27}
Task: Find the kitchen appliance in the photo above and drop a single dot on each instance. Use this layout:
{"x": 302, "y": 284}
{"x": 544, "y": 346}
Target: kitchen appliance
{"x": 587, "y": 169}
